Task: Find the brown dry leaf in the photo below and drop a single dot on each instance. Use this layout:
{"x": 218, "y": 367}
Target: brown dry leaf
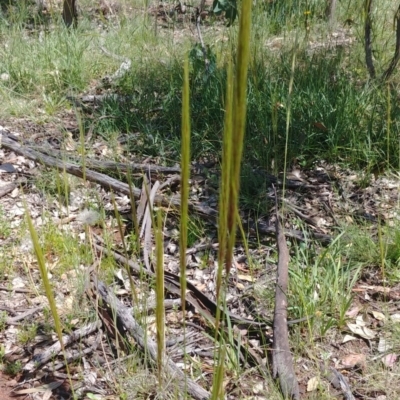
{"x": 320, "y": 126}
{"x": 351, "y": 360}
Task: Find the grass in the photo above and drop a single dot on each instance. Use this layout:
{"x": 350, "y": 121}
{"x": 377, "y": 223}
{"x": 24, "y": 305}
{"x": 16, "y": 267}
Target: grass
{"x": 337, "y": 114}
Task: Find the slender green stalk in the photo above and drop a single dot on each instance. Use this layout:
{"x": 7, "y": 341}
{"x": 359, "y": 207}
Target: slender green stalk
{"x": 47, "y": 287}
{"x": 234, "y": 129}
{"x": 217, "y": 389}
{"x": 239, "y": 122}
{"x": 225, "y": 178}
{"x": 185, "y": 168}
{"x": 288, "y": 116}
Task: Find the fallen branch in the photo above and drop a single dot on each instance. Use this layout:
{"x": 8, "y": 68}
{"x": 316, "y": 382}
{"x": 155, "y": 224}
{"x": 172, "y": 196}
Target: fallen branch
{"x": 39, "y": 359}
{"x": 26, "y": 314}
{"x": 124, "y": 315}
{"x": 102, "y": 179}
{"x": 195, "y": 297}
{"x": 8, "y": 188}
{"x": 282, "y": 361}
{"x": 109, "y": 183}
{"x": 338, "y": 381}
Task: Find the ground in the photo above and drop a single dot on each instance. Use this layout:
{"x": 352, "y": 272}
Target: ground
{"x": 340, "y": 223}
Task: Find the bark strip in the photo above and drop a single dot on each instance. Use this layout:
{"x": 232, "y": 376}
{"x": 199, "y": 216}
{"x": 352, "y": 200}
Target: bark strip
{"x": 282, "y": 360}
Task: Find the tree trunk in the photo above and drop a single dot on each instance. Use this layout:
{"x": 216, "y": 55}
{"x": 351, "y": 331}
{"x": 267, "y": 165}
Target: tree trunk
{"x": 70, "y": 14}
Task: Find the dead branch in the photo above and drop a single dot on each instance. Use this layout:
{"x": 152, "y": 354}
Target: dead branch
{"x": 282, "y": 360}
{"x": 396, "y": 57}
{"x": 26, "y": 314}
{"x": 7, "y": 188}
{"x": 367, "y": 37}
{"x": 197, "y": 299}
{"x": 103, "y": 180}
{"x": 109, "y": 183}
{"x": 261, "y": 227}
{"x": 42, "y": 358}
{"x": 338, "y": 381}
{"x": 132, "y": 167}
{"x": 124, "y": 315}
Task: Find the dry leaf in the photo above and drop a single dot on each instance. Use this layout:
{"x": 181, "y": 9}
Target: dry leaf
{"x": 362, "y": 331}
{"x": 312, "y": 384}
{"x": 320, "y": 126}
{"x": 360, "y": 321}
{"x": 378, "y": 315}
{"x": 348, "y": 338}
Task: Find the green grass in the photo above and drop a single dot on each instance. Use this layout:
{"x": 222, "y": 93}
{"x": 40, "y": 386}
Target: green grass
{"x": 336, "y": 114}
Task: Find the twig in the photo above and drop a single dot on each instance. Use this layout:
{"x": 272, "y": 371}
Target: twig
{"x": 16, "y": 290}
{"x": 26, "y": 314}
{"x": 109, "y": 183}
{"x": 368, "y": 43}
{"x": 282, "y": 361}
{"x": 124, "y": 315}
{"x": 392, "y": 66}
{"x": 338, "y": 381}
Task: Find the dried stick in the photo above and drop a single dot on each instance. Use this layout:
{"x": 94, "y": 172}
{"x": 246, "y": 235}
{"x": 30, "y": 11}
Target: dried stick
{"x": 102, "y": 179}
{"x": 393, "y": 64}
{"x": 368, "y": 43}
{"x": 124, "y": 315}
{"x": 282, "y": 361}
{"x": 26, "y": 314}
{"x": 338, "y": 381}
{"x": 42, "y": 358}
